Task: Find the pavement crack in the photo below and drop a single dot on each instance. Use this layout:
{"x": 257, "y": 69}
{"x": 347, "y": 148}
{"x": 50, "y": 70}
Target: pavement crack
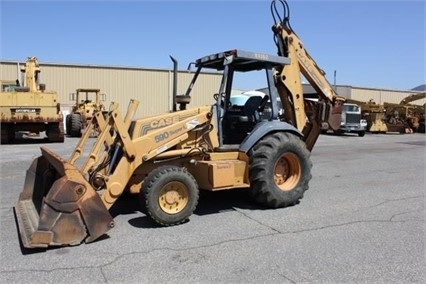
{"x": 385, "y": 202}
{"x": 404, "y": 213}
{"x": 285, "y": 277}
{"x": 256, "y": 221}
{"x": 346, "y": 224}
{"x": 275, "y": 232}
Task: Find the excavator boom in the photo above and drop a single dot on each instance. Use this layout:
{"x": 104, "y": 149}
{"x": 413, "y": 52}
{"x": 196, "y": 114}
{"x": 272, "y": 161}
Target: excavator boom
{"x": 412, "y": 98}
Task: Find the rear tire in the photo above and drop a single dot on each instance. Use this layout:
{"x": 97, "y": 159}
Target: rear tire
{"x": 55, "y": 132}
{"x": 280, "y": 170}
{"x": 7, "y": 133}
{"x": 421, "y": 128}
{"x": 169, "y": 195}
{"x": 75, "y": 125}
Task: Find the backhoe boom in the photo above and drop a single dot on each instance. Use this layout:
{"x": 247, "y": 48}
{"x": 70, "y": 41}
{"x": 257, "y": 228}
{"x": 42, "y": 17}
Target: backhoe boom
{"x": 289, "y": 83}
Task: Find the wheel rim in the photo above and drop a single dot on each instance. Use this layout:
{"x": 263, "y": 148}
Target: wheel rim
{"x": 173, "y": 197}
{"x": 287, "y": 172}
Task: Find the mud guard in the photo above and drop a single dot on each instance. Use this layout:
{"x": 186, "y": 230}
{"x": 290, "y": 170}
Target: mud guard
{"x": 263, "y": 128}
{"x": 57, "y": 206}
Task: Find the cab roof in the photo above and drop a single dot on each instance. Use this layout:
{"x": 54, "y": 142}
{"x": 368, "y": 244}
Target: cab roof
{"x": 241, "y": 60}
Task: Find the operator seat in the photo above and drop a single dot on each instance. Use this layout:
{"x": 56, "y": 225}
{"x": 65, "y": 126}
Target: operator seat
{"x": 238, "y": 123}
{"x": 249, "y": 111}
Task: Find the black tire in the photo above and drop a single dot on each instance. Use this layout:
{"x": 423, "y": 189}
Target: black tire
{"x": 273, "y": 157}
{"x": 55, "y": 132}
{"x": 75, "y": 125}
{"x": 169, "y": 195}
{"x": 7, "y": 133}
{"x": 68, "y": 124}
{"x": 421, "y": 128}
{"x": 338, "y": 132}
{"x": 361, "y": 133}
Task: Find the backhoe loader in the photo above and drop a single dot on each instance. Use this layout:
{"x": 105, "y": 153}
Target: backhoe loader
{"x": 165, "y": 160}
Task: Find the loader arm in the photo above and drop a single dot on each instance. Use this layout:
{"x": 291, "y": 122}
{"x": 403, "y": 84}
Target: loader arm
{"x": 170, "y": 132}
{"x": 64, "y": 205}
{"x": 289, "y": 83}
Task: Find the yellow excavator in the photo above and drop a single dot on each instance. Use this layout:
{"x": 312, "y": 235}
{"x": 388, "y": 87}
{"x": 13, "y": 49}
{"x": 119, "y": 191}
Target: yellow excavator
{"x": 374, "y": 114}
{"x": 406, "y": 113}
{"x": 166, "y": 159}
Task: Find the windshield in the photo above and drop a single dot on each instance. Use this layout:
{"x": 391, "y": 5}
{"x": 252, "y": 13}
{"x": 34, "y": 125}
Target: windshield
{"x": 8, "y": 87}
{"x": 238, "y": 100}
{"x": 352, "y": 108}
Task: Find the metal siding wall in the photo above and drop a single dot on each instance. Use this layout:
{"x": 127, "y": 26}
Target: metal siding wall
{"x": 204, "y": 89}
{"x": 8, "y": 71}
{"x": 381, "y": 96}
{"x": 392, "y": 96}
{"x": 119, "y": 85}
{"x": 344, "y": 91}
{"x": 366, "y": 95}
{"x": 153, "y": 88}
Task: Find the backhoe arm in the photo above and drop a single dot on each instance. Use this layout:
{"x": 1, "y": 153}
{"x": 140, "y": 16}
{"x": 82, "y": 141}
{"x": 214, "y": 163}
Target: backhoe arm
{"x": 31, "y": 72}
{"x": 412, "y": 98}
{"x": 289, "y": 83}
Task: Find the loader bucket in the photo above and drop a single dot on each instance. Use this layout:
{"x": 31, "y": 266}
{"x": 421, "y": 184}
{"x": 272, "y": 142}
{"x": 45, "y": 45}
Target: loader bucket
{"x": 335, "y": 116}
{"x": 57, "y": 206}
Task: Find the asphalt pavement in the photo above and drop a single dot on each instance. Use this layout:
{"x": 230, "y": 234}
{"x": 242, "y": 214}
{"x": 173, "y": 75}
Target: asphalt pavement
{"x": 361, "y": 221}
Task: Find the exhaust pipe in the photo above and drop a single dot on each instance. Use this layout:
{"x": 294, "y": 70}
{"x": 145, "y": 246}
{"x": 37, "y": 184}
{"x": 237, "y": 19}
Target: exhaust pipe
{"x": 175, "y": 70}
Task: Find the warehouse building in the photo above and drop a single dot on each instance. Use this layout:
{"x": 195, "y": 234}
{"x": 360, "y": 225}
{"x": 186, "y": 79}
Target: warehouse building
{"x": 154, "y": 87}
{"x": 378, "y": 95}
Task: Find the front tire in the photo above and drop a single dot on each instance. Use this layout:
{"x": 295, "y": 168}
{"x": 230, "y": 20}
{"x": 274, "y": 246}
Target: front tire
{"x": 280, "y": 170}
{"x": 68, "y": 124}
{"x": 169, "y": 195}
{"x": 75, "y": 125}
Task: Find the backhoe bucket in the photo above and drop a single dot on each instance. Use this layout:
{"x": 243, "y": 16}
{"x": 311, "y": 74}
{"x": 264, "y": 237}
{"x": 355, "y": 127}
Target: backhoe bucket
{"x": 57, "y": 206}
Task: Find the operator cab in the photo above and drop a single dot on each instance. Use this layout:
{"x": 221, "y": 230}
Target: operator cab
{"x": 238, "y": 116}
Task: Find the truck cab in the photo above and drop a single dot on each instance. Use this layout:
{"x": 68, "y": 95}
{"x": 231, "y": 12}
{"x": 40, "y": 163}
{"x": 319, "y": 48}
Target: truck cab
{"x": 352, "y": 121}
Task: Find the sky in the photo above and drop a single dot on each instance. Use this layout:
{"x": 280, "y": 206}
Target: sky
{"x": 377, "y": 44}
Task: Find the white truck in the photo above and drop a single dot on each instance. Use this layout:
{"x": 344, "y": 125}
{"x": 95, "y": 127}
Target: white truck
{"x": 352, "y": 121}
